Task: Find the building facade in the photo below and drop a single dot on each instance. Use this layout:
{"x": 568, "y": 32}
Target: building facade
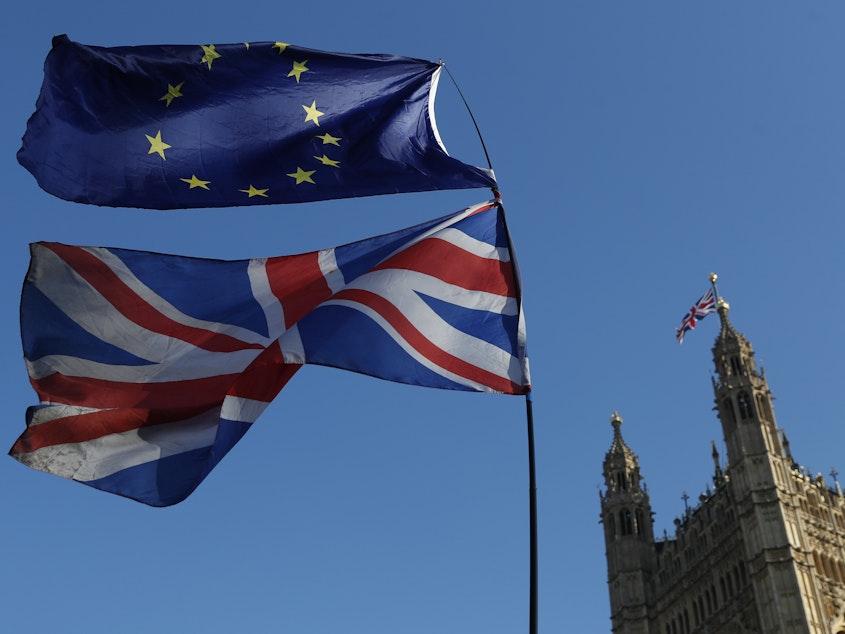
{"x": 762, "y": 551}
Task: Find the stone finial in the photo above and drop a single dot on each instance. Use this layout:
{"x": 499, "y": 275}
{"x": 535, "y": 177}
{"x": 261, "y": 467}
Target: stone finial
{"x": 615, "y": 420}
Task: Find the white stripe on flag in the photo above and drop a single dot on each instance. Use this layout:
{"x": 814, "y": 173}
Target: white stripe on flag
{"x": 259, "y": 283}
{"x": 292, "y": 349}
{"x": 473, "y": 245}
{"x": 105, "y": 456}
{"x": 193, "y": 364}
{"x": 330, "y": 270}
{"x": 242, "y": 410}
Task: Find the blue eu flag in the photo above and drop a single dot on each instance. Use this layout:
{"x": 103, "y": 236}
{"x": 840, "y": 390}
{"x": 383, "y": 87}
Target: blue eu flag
{"x": 168, "y": 127}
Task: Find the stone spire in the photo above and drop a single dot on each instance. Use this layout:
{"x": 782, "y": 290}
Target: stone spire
{"x": 718, "y": 474}
{"x": 743, "y": 398}
{"x": 628, "y": 533}
{"x": 621, "y": 465}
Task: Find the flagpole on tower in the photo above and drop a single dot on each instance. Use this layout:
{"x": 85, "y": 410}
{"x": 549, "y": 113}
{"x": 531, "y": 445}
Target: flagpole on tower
{"x": 713, "y": 278}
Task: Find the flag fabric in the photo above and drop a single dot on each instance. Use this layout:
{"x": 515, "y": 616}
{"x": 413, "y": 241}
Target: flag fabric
{"x": 150, "y": 367}
{"x": 705, "y": 305}
{"x": 167, "y": 127}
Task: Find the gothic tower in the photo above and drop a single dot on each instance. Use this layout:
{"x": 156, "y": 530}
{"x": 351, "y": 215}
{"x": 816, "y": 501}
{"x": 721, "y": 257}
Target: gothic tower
{"x": 775, "y": 561}
{"x": 629, "y": 535}
{"x": 762, "y": 552}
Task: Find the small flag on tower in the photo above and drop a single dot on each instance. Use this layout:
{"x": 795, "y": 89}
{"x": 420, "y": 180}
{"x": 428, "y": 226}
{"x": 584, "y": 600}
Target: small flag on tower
{"x": 703, "y": 307}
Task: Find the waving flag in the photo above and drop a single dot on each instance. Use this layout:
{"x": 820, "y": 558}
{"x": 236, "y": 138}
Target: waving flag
{"x": 150, "y": 367}
{"x": 703, "y": 307}
{"x": 166, "y": 127}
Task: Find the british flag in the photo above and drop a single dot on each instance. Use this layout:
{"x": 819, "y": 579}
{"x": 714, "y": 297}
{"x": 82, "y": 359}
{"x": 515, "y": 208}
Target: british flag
{"x": 703, "y": 307}
{"x": 149, "y": 368}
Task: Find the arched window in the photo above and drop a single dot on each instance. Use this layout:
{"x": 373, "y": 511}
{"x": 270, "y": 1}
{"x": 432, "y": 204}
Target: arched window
{"x": 728, "y": 409}
{"x": 828, "y": 568}
{"x": 640, "y": 520}
{"x": 836, "y": 566}
{"x": 744, "y": 406}
{"x": 626, "y": 526}
{"x": 736, "y": 368}
{"x": 761, "y": 407}
{"x": 621, "y": 481}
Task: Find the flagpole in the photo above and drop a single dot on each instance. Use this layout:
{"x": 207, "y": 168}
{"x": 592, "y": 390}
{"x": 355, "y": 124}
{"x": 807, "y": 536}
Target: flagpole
{"x": 532, "y": 494}
{"x": 532, "y": 478}
{"x": 471, "y": 116}
{"x": 713, "y": 278}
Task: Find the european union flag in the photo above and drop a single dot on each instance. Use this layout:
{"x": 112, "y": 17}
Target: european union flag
{"x": 167, "y": 127}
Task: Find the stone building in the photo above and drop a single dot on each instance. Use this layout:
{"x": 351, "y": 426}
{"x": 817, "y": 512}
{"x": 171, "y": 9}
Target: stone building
{"x": 762, "y": 551}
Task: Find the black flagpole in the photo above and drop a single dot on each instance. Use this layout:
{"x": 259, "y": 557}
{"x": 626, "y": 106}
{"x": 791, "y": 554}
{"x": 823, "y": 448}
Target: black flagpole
{"x": 532, "y": 493}
{"x": 532, "y": 478}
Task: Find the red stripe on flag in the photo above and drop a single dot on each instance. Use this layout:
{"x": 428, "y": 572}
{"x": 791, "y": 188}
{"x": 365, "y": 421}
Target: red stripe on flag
{"x": 136, "y": 309}
{"x": 455, "y": 265}
{"x": 72, "y": 390}
{"x": 298, "y": 283}
{"x": 265, "y": 376}
{"x": 92, "y": 425}
{"x": 425, "y": 347}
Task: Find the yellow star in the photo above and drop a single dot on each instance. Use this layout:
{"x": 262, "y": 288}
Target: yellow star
{"x": 210, "y": 54}
{"x": 302, "y": 176}
{"x": 157, "y": 146}
{"x": 172, "y": 93}
{"x": 313, "y": 114}
{"x": 281, "y": 46}
{"x": 252, "y": 191}
{"x": 325, "y": 160}
{"x": 193, "y": 181}
{"x": 329, "y": 139}
{"x": 298, "y": 69}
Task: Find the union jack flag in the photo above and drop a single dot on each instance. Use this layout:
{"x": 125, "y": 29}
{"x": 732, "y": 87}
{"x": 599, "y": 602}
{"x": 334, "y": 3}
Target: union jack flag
{"x": 703, "y": 307}
{"x": 149, "y": 368}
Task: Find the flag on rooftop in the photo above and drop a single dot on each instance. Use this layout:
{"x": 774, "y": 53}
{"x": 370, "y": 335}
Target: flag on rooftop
{"x": 150, "y": 367}
{"x": 180, "y": 126}
{"x": 705, "y": 305}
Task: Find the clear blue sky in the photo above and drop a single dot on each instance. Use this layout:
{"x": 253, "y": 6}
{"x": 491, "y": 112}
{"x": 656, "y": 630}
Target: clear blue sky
{"x": 639, "y": 146}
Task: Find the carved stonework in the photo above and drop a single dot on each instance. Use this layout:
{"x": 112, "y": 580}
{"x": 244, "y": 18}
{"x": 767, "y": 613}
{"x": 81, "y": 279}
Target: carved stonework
{"x": 762, "y": 551}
